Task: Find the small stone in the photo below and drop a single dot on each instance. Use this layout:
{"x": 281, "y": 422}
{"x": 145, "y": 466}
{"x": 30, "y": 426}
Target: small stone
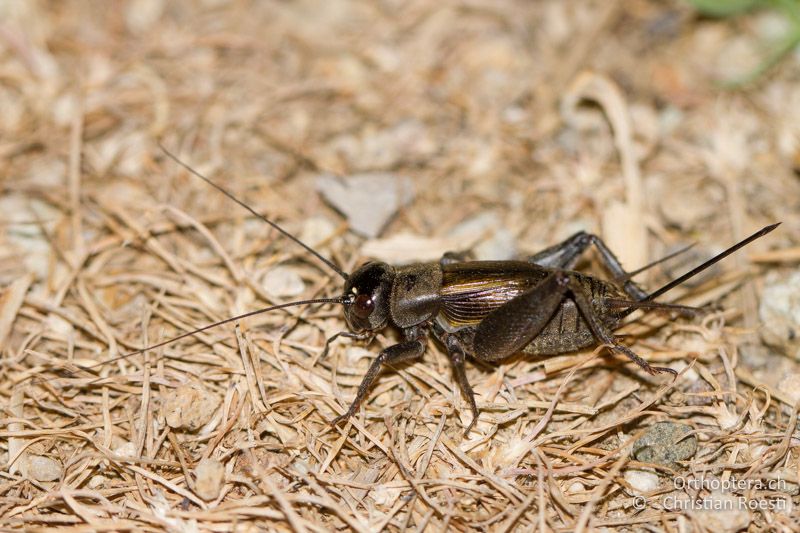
{"x": 63, "y": 109}
{"x": 43, "y": 468}
{"x": 786, "y": 481}
{"x": 721, "y": 512}
{"x": 316, "y": 230}
{"x": 367, "y": 200}
{"x": 690, "y": 375}
{"x": 485, "y": 233}
{"x": 283, "y": 282}
{"x": 404, "y": 248}
{"x": 791, "y": 386}
{"x": 385, "y": 496}
{"x": 684, "y": 202}
{"x": 247, "y": 527}
{"x": 473, "y": 229}
{"x": 780, "y": 313}
{"x": 142, "y": 15}
{"x": 737, "y": 59}
{"x": 353, "y": 354}
{"x": 125, "y": 449}
{"x": 190, "y": 407}
{"x": 772, "y": 25}
{"x": 467, "y": 503}
{"x": 642, "y": 481}
{"x": 500, "y": 247}
{"x": 209, "y": 478}
{"x": 726, "y": 418}
{"x": 576, "y": 487}
{"x": 97, "y": 482}
{"x": 758, "y": 451}
{"x": 58, "y": 325}
{"x": 665, "y": 444}
{"x": 406, "y": 141}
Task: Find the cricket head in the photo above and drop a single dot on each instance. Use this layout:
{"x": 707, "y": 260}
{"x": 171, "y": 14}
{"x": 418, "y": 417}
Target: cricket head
{"x": 366, "y": 297}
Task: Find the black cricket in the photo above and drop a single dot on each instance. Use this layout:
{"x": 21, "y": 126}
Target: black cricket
{"x": 488, "y": 310}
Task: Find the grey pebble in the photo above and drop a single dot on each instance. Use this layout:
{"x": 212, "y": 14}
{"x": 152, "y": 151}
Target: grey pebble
{"x": 368, "y": 200}
{"x": 665, "y": 444}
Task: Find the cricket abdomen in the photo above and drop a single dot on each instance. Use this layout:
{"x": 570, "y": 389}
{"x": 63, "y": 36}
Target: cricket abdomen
{"x": 568, "y": 330}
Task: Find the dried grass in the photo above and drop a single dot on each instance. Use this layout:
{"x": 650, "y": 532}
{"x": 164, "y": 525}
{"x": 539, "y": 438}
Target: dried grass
{"x": 106, "y": 246}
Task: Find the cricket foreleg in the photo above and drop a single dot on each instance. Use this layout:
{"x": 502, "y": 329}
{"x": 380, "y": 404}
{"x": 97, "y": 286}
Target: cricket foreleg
{"x": 398, "y": 353}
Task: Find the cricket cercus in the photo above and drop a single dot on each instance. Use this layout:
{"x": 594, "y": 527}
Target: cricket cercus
{"x": 488, "y": 310}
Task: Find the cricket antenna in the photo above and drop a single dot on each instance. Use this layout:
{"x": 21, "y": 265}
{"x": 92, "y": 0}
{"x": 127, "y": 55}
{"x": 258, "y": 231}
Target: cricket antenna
{"x": 339, "y": 300}
{"x": 657, "y": 262}
{"x": 230, "y": 195}
{"x": 674, "y": 283}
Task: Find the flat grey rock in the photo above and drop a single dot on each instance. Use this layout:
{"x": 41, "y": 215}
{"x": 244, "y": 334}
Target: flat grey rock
{"x": 368, "y": 200}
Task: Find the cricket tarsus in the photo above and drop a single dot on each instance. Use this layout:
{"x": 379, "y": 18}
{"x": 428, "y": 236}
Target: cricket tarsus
{"x": 344, "y": 334}
{"x": 230, "y": 195}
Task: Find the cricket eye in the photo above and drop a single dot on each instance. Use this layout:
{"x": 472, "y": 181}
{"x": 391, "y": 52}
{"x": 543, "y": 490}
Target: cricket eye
{"x": 363, "y": 306}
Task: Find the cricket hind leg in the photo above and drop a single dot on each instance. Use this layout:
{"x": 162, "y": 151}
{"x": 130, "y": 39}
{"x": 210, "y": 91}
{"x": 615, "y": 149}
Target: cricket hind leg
{"x": 684, "y": 310}
{"x": 566, "y": 254}
{"x": 450, "y": 258}
{"x": 512, "y": 326}
{"x": 602, "y": 333}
